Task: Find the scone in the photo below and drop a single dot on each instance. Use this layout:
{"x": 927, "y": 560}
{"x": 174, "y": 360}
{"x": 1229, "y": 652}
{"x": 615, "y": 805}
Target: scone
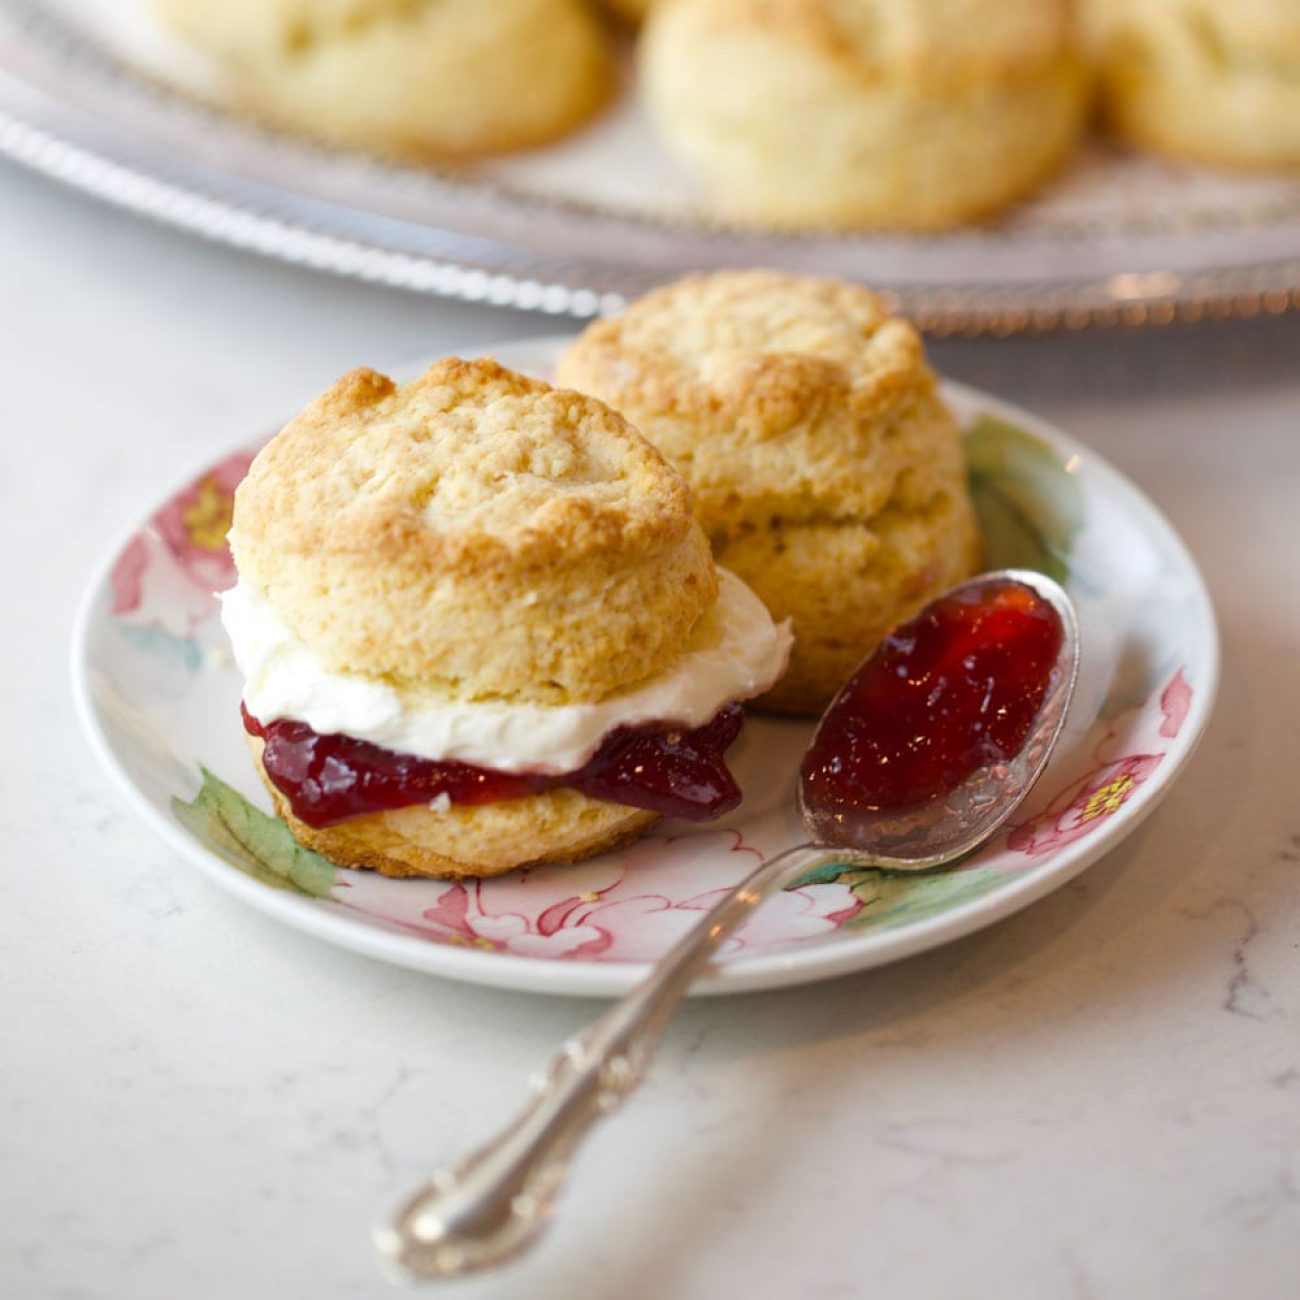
{"x": 424, "y": 78}
{"x": 1215, "y": 82}
{"x": 914, "y": 114}
{"x": 480, "y": 627}
{"x": 827, "y": 472}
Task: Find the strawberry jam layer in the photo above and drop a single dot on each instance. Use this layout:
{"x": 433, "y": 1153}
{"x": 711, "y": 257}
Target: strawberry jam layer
{"x": 329, "y": 778}
{"x": 952, "y": 691}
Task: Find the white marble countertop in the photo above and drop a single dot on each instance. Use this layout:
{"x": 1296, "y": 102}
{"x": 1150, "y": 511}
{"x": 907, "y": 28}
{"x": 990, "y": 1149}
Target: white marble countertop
{"x": 1097, "y": 1098}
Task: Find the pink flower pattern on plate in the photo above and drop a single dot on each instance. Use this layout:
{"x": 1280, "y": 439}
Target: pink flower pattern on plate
{"x": 1109, "y": 784}
{"x": 168, "y": 572}
{"x": 625, "y": 907}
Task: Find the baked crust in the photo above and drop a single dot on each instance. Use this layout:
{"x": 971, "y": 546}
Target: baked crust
{"x": 827, "y": 472}
{"x": 475, "y": 534}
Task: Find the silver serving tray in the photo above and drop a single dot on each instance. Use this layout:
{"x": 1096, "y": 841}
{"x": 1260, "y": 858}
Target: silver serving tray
{"x": 91, "y": 96}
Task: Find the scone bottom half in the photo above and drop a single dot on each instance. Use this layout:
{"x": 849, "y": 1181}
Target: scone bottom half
{"x": 480, "y": 628}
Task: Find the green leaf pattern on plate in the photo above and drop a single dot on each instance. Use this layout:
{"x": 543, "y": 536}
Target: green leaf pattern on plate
{"x": 891, "y": 898}
{"x": 258, "y": 844}
{"x": 1029, "y": 505}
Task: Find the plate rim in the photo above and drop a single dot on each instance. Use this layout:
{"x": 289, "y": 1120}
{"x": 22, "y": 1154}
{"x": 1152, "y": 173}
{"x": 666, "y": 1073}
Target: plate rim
{"x": 847, "y": 954}
{"x": 63, "y": 140}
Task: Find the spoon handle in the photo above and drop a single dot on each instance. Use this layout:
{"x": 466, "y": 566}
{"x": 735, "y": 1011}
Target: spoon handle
{"x": 494, "y": 1203}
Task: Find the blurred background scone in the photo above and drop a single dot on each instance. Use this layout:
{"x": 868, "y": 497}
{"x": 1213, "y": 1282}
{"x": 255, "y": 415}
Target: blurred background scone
{"x": 423, "y": 78}
{"x": 827, "y": 472}
{"x": 1217, "y": 82}
{"x": 473, "y": 615}
{"x": 837, "y": 113}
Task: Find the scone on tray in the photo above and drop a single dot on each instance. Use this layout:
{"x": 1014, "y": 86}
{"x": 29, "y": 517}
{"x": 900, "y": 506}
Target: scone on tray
{"x": 422, "y": 78}
{"x": 915, "y": 114}
{"x": 480, "y": 627}
{"x": 1218, "y": 83}
{"x": 827, "y": 471}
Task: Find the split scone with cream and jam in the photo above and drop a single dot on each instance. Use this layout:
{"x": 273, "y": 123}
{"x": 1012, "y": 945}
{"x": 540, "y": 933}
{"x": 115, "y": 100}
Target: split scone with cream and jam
{"x": 826, "y": 469}
{"x": 480, "y": 627}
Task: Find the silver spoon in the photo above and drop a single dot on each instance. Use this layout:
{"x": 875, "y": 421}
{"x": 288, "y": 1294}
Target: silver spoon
{"x": 494, "y": 1203}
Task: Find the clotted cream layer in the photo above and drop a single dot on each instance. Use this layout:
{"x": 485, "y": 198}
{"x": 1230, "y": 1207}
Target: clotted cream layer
{"x": 734, "y": 653}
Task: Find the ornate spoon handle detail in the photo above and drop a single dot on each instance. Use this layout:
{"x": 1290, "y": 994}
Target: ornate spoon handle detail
{"x": 494, "y": 1203}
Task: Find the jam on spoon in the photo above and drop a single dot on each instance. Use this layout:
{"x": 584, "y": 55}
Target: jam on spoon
{"x": 955, "y": 690}
{"x": 1001, "y": 654}
{"x": 328, "y": 778}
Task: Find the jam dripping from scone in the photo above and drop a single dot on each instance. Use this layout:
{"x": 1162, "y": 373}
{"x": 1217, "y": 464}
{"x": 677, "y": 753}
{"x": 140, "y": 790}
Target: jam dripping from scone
{"x": 329, "y": 778}
{"x": 954, "y": 690}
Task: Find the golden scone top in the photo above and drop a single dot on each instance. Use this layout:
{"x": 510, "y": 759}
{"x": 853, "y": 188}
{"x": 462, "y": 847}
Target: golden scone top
{"x": 702, "y": 320}
{"x": 779, "y": 396}
{"x": 922, "y": 39}
{"x": 979, "y": 37}
{"x": 476, "y": 533}
{"x": 471, "y": 463}
{"x": 1256, "y": 33}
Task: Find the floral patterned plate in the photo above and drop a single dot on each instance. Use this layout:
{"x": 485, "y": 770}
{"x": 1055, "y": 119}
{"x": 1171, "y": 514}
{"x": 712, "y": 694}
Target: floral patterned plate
{"x": 158, "y": 696}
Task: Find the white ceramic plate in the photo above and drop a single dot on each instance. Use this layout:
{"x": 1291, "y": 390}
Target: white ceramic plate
{"x": 159, "y": 700}
{"x": 100, "y": 95}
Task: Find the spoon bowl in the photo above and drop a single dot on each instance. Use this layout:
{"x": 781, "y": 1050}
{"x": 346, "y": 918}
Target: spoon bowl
{"x": 935, "y": 833}
{"x": 495, "y": 1203}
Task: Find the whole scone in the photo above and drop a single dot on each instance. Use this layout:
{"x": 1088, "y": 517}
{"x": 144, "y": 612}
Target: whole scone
{"x": 423, "y": 78}
{"x": 1214, "y": 82}
{"x": 483, "y": 574}
{"x": 827, "y": 472}
{"x": 912, "y": 114}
